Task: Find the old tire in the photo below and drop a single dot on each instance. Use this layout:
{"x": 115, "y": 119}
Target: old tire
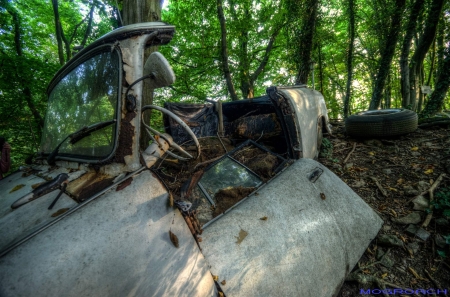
{"x": 381, "y": 123}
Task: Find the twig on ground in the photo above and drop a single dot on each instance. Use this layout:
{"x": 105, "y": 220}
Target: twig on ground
{"x": 431, "y": 193}
{"x": 348, "y": 156}
{"x": 364, "y": 280}
{"x": 380, "y": 187}
{"x": 342, "y": 149}
{"x": 226, "y": 151}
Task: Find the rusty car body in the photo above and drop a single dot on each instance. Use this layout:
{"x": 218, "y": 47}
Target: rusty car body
{"x": 239, "y": 206}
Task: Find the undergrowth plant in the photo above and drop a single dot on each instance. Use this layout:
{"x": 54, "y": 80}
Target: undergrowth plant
{"x": 442, "y": 205}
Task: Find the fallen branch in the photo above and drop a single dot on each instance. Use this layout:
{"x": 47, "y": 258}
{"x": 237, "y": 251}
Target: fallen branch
{"x": 342, "y": 149}
{"x": 380, "y": 187}
{"x": 431, "y": 194}
{"x": 348, "y": 156}
{"x": 435, "y": 123}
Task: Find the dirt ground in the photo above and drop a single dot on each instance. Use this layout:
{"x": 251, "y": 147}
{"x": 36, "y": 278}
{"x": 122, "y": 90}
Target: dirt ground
{"x": 389, "y": 174}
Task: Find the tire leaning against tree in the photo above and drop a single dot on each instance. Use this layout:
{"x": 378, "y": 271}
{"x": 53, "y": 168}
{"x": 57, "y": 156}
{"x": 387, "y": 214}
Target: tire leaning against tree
{"x": 381, "y": 123}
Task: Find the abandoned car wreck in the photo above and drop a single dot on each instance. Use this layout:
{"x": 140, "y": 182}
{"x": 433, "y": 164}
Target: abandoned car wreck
{"x": 228, "y": 200}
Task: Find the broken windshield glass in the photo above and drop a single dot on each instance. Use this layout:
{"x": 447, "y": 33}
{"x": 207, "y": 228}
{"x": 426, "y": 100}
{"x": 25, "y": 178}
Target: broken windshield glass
{"x": 225, "y": 174}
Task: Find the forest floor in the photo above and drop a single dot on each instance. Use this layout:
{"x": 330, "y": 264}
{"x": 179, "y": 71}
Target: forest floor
{"x": 389, "y": 174}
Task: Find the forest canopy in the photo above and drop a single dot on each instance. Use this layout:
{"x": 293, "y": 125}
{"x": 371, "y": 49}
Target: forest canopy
{"x": 359, "y": 54}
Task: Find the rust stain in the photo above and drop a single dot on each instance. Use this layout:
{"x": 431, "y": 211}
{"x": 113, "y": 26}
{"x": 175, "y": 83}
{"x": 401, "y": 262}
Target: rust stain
{"x": 59, "y": 212}
{"x": 242, "y": 235}
{"x": 126, "y": 135}
{"x": 124, "y": 184}
{"x": 36, "y": 185}
{"x": 18, "y": 187}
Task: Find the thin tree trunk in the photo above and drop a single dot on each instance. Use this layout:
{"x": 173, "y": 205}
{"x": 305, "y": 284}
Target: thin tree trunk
{"x": 320, "y": 68}
{"x": 58, "y": 31}
{"x": 425, "y": 41}
{"x": 388, "y": 92}
{"x": 406, "y": 46}
{"x": 387, "y": 55}
{"x": 436, "y": 101}
{"x": 351, "y": 31}
{"x": 440, "y": 45}
{"x": 433, "y": 58}
{"x": 306, "y": 41}
{"x": 88, "y": 28}
{"x": 224, "y": 52}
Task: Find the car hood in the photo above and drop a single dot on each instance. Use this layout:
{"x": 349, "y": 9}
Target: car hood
{"x": 300, "y": 235}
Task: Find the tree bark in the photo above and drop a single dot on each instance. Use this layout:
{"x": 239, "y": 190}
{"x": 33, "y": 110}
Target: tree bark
{"x": 58, "y": 31}
{"x": 406, "y": 46}
{"x": 224, "y": 52}
{"x": 88, "y": 28}
{"x": 434, "y": 105}
{"x": 320, "y": 67}
{"x": 425, "y": 41}
{"x": 387, "y": 55}
{"x": 306, "y": 41}
{"x": 440, "y": 45}
{"x": 351, "y": 33}
{"x": 138, "y": 11}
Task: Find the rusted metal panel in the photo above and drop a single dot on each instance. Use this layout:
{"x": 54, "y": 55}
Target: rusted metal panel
{"x": 88, "y": 185}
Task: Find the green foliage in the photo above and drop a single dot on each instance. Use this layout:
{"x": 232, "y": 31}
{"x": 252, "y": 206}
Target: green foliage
{"x": 326, "y": 150}
{"x": 29, "y": 59}
{"x": 195, "y": 55}
{"x": 442, "y": 201}
{"x": 442, "y": 205}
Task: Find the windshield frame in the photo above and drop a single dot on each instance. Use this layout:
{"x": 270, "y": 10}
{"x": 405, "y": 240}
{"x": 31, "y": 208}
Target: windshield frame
{"x": 74, "y": 64}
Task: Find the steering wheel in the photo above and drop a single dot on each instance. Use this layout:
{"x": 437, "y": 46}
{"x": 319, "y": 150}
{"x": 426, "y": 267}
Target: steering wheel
{"x": 169, "y": 139}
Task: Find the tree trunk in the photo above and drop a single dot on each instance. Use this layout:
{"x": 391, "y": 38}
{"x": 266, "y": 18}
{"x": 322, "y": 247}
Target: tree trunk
{"x": 440, "y": 45}
{"x": 351, "y": 33}
{"x": 320, "y": 68}
{"x": 139, "y": 11}
{"x": 306, "y": 41}
{"x": 224, "y": 52}
{"x": 387, "y": 55}
{"x": 388, "y": 93}
{"x": 425, "y": 41}
{"x": 406, "y": 46}
{"x": 58, "y": 31}
{"x": 436, "y": 101}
